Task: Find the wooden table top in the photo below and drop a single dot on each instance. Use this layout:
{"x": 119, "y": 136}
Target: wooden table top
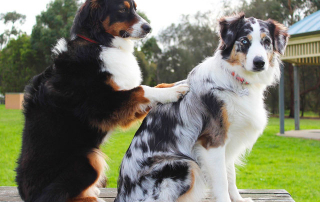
{"x": 108, "y": 194}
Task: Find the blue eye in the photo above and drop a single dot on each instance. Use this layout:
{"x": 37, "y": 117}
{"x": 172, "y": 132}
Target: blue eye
{"x": 244, "y": 41}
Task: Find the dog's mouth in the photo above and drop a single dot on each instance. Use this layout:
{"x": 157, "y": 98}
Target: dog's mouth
{"x": 137, "y": 31}
{"x": 124, "y": 34}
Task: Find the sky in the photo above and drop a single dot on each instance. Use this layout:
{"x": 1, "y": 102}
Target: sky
{"x": 161, "y": 13}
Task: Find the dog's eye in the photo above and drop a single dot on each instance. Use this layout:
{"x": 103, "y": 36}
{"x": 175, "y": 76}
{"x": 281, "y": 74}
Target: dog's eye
{"x": 244, "y": 41}
{"x": 267, "y": 42}
{"x": 122, "y": 10}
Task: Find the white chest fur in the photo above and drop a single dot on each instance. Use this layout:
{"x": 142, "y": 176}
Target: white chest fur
{"x": 121, "y": 63}
{"x": 248, "y": 118}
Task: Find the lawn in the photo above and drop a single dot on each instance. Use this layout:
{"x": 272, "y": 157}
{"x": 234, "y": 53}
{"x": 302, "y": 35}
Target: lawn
{"x": 274, "y": 163}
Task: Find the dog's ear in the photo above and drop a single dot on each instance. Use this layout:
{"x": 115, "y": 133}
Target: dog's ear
{"x": 229, "y": 27}
{"x": 81, "y": 16}
{"x": 279, "y": 34}
{"x": 89, "y": 16}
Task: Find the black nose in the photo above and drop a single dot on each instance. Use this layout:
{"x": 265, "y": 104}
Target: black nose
{"x": 258, "y": 64}
{"x": 146, "y": 28}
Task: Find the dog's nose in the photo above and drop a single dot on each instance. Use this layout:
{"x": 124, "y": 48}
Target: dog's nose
{"x": 258, "y": 64}
{"x": 146, "y": 28}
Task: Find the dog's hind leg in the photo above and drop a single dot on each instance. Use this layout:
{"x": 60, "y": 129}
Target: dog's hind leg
{"x": 78, "y": 181}
{"x": 196, "y": 191}
{"x": 90, "y": 194}
{"x": 180, "y": 181}
{"x": 168, "y": 180}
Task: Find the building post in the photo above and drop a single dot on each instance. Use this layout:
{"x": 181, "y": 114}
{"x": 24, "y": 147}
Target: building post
{"x": 296, "y": 97}
{"x": 281, "y": 100}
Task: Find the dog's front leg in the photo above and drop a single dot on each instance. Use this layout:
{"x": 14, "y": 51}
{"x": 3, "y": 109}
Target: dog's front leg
{"x": 213, "y": 161}
{"x": 233, "y": 190}
{"x": 165, "y": 95}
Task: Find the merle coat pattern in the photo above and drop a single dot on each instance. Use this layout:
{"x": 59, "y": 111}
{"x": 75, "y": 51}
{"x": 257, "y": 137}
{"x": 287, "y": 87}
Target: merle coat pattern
{"x": 183, "y": 147}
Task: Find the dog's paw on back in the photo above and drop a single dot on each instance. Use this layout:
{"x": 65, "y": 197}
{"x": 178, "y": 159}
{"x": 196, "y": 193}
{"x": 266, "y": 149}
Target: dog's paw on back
{"x": 165, "y": 85}
{"x": 182, "y": 89}
{"x": 173, "y": 94}
{"x": 165, "y": 95}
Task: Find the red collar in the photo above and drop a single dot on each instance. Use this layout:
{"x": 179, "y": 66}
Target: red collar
{"x": 240, "y": 79}
{"x": 87, "y": 39}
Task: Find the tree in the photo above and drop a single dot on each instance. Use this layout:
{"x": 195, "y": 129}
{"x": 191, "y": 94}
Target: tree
{"x": 186, "y": 45}
{"x": 52, "y": 24}
{"x": 11, "y": 17}
{"x": 17, "y": 61}
{"x": 151, "y": 53}
{"x": 151, "y": 50}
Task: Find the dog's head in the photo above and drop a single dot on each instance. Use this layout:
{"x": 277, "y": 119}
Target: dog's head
{"x": 251, "y": 43}
{"x": 102, "y": 19}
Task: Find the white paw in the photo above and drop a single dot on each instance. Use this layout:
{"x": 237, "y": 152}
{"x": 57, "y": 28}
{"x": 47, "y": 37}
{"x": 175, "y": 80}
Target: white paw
{"x": 100, "y": 200}
{"x": 223, "y": 200}
{"x": 165, "y": 95}
{"x": 97, "y": 191}
{"x": 244, "y": 200}
{"x": 173, "y": 94}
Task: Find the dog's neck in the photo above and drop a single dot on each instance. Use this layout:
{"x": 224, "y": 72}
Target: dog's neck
{"x": 125, "y": 44}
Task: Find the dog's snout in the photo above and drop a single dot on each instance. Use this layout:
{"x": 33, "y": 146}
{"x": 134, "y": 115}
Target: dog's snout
{"x": 146, "y": 28}
{"x": 258, "y": 64}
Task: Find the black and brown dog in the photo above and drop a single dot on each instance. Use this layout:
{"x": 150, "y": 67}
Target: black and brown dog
{"x": 92, "y": 86}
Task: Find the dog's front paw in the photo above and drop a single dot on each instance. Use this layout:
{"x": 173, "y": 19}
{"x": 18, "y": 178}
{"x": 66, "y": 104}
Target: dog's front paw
{"x": 181, "y": 89}
{"x": 165, "y": 85}
{"x": 176, "y": 92}
{"x": 165, "y": 95}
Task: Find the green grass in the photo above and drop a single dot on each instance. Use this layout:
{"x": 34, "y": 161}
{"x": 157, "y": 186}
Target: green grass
{"x": 274, "y": 163}
{"x": 284, "y": 163}
{"x": 11, "y": 124}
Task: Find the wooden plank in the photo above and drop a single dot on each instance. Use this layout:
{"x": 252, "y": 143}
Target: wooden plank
{"x": 10, "y": 194}
{"x": 263, "y": 191}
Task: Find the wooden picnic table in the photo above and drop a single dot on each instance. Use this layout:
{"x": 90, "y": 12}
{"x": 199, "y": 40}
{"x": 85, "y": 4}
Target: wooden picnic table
{"x": 108, "y": 194}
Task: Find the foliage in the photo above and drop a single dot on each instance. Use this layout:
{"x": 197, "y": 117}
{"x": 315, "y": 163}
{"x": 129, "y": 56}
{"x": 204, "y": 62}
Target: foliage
{"x": 274, "y": 163}
{"x": 148, "y": 69}
{"x": 151, "y": 50}
{"x": 284, "y": 11}
{"x": 52, "y": 24}
{"x": 11, "y": 17}
{"x": 185, "y": 45}
{"x": 17, "y": 64}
